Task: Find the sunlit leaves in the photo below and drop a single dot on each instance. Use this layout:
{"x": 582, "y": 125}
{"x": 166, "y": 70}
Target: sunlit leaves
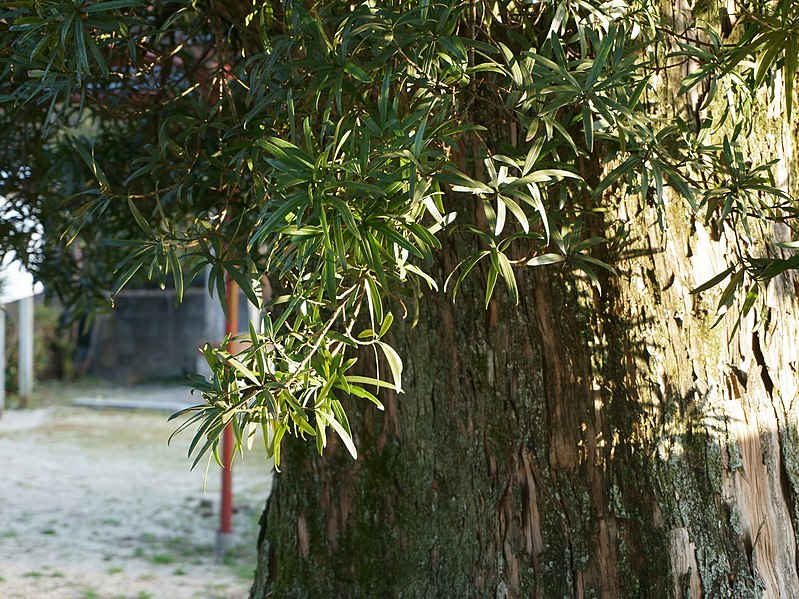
{"x": 350, "y": 155}
{"x": 289, "y": 383}
{"x": 63, "y": 45}
{"x": 772, "y": 38}
{"x": 744, "y": 193}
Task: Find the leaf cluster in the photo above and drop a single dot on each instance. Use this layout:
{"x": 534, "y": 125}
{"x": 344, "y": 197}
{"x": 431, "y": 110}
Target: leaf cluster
{"x": 325, "y": 157}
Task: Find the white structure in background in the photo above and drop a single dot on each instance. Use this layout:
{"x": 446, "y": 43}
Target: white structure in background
{"x": 2, "y": 358}
{"x": 18, "y": 285}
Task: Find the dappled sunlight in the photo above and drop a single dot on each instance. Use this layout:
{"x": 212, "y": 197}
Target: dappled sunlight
{"x": 731, "y": 453}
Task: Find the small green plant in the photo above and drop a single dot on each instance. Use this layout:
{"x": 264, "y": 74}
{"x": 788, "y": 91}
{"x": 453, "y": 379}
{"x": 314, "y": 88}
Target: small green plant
{"x": 49, "y": 531}
{"x": 91, "y": 594}
{"x": 110, "y": 522}
{"x": 163, "y": 558}
{"x": 179, "y": 572}
{"x": 144, "y": 595}
{"x": 115, "y": 570}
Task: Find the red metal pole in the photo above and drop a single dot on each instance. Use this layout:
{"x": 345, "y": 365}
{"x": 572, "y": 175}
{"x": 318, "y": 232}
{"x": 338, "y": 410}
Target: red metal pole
{"x": 226, "y": 502}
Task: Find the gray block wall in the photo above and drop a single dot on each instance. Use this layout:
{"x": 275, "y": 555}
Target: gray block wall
{"x": 145, "y": 337}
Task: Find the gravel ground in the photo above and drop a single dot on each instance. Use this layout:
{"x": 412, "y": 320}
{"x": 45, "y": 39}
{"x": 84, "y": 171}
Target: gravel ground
{"x": 95, "y": 505}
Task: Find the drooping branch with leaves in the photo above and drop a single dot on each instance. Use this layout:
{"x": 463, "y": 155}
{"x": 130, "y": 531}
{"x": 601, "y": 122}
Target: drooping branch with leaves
{"x": 360, "y": 155}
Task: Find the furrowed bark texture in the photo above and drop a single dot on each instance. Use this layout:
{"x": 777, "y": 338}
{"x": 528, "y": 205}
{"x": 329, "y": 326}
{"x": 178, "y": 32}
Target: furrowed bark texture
{"x": 577, "y": 445}
{"x": 560, "y": 449}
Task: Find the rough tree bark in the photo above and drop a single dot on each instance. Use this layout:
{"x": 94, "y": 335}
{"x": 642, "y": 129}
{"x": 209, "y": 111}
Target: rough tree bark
{"x": 577, "y": 445}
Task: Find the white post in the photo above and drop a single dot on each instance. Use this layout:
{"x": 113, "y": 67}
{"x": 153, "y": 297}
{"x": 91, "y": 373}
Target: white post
{"x": 25, "y": 349}
{"x": 2, "y": 358}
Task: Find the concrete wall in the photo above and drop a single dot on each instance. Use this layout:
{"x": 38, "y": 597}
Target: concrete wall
{"x": 146, "y": 337}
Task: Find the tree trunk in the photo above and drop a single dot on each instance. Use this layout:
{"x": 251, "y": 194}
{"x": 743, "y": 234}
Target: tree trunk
{"x": 577, "y": 445}
{"x": 574, "y": 446}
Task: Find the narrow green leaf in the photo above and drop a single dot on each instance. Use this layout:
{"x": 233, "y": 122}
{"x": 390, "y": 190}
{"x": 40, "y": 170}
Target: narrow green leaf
{"x": 502, "y": 211}
{"x": 374, "y": 300}
{"x": 344, "y": 435}
{"x": 382, "y": 99}
{"x": 278, "y": 430}
{"x": 386, "y": 324}
{"x": 601, "y": 56}
{"x": 728, "y": 295}
{"x": 364, "y": 394}
{"x": 545, "y": 259}
{"x": 588, "y": 127}
{"x": 357, "y": 72}
{"x": 366, "y": 380}
{"x": 506, "y": 270}
{"x": 465, "y": 266}
{"x": 177, "y": 273}
{"x": 122, "y": 281}
{"x": 244, "y": 371}
{"x": 394, "y": 363}
{"x": 714, "y": 281}
{"x": 140, "y": 220}
{"x": 491, "y": 283}
{"x": 244, "y": 282}
{"x": 617, "y": 173}
{"x": 431, "y": 283}
{"x": 391, "y": 235}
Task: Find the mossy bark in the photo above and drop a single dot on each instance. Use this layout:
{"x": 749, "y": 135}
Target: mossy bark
{"x": 468, "y": 482}
{"x": 577, "y": 445}
{"x": 586, "y": 443}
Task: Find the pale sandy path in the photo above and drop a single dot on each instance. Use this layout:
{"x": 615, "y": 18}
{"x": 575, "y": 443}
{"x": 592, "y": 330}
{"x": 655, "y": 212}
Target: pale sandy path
{"x": 95, "y": 505}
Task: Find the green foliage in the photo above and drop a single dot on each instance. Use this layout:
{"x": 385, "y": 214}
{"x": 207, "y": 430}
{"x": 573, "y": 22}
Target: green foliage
{"x": 347, "y": 152}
